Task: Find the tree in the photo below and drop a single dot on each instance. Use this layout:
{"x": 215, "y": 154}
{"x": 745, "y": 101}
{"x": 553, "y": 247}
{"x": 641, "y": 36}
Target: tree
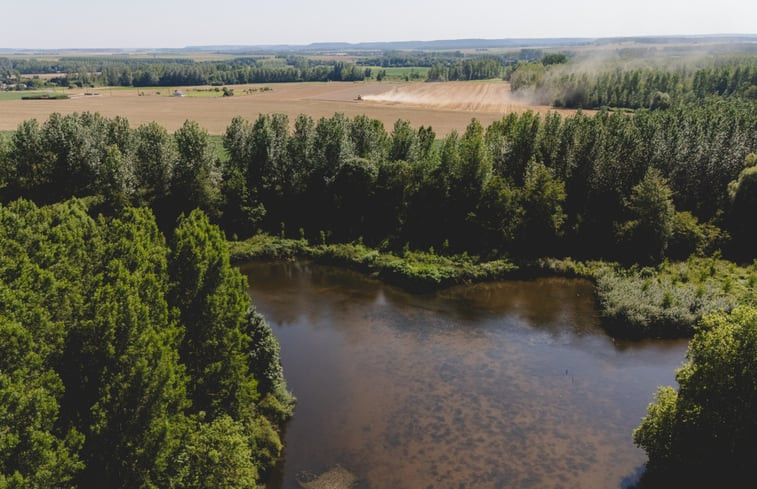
{"x": 368, "y": 137}
{"x": 660, "y": 100}
{"x": 33, "y": 451}
{"x": 155, "y": 159}
{"x": 404, "y": 142}
{"x": 542, "y": 197}
{"x": 195, "y": 177}
{"x": 353, "y": 185}
{"x": 265, "y": 363}
{"x": 212, "y": 299}
{"x": 216, "y": 454}
{"x": 498, "y": 214}
{"x": 29, "y": 168}
{"x": 241, "y": 208}
{"x": 124, "y": 387}
{"x": 116, "y": 178}
{"x": 706, "y": 433}
{"x": 332, "y": 146}
{"x": 743, "y": 194}
{"x": 651, "y": 205}
{"x": 77, "y": 143}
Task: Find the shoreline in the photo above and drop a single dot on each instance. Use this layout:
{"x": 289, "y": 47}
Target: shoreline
{"x": 634, "y": 303}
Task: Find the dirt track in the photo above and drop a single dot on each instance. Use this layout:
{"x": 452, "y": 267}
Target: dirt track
{"x": 444, "y": 106}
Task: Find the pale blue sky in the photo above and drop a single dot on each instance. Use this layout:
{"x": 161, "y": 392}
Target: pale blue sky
{"x": 171, "y": 23}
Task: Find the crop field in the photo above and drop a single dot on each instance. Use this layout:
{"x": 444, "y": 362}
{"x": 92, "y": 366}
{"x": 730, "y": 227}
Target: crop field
{"x": 18, "y": 95}
{"x": 445, "y": 106}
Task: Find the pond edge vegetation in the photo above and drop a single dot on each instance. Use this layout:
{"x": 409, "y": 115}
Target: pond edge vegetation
{"x": 664, "y": 301}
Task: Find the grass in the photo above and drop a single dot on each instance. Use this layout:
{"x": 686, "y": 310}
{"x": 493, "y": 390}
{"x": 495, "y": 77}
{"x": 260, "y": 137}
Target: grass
{"x": 216, "y": 146}
{"x": 666, "y": 301}
{"x": 669, "y": 300}
{"x": 411, "y": 270}
{"x": 210, "y": 93}
{"x": 20, "y": 94}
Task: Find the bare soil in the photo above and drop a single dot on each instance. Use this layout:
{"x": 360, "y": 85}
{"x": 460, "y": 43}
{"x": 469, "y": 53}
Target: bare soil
{"x": 445, "y": 106}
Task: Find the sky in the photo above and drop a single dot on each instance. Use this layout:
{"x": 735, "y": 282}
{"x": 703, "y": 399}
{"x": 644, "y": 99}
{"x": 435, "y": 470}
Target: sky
{"x": 171, "y": 23}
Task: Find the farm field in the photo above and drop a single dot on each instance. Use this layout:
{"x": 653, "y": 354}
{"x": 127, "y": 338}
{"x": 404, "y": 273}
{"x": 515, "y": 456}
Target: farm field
{"x": 446, "y": 106}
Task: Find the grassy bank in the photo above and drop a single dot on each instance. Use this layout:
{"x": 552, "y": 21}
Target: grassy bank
{"x": 411, "y": 270}
{"x": 666, "y": 301}
{"x": 670, "y": 299}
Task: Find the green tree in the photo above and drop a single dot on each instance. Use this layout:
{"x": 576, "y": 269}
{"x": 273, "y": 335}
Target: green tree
{"x": 155, "y": 158}
{"x": 33, "y": 451}
{"x": 499, "y": 214}
{"x": 743, "y": 193}
{"x": 195, "y": 176}
{"x": 77, "y": 143}
{"x": 368, "y": 137}
{"x": 706, "y": 433}
{"x": 353, "y": 187}
{"x": 241, "y": 208}
{"x": 332, "y": 146}
{"x": 125, "y": 388}
{"x": 651, "y": 205}
{"x": 30, "y": 168}
{"x": 212, "y": 299}
{"x": 541, "y": 198}
{"x": 404, "y": 145}
{"x": 216, "y": 454}
{"x": 116, "y": 178}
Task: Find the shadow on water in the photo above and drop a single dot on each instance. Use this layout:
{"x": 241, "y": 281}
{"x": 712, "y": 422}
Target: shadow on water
{"x": 632, "y": 480}
{"x": 507, "y": 385}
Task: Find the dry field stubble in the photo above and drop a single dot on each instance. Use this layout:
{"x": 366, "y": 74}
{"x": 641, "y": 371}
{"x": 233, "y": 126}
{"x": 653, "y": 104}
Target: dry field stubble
{"x": 445, "y": 106}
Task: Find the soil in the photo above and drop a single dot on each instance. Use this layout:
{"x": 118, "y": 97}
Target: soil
{"x": 445, "y": 106}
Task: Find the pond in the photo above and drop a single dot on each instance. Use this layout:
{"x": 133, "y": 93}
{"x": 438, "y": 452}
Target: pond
{"x": 497, "y": 385}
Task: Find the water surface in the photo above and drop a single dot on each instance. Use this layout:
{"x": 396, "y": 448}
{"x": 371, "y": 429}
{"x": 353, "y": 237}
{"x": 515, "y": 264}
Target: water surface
{"x": 499, "y": 385}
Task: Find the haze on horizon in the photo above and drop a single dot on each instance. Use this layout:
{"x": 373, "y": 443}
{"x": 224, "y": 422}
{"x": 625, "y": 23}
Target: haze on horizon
{"x": 48, "y": 24}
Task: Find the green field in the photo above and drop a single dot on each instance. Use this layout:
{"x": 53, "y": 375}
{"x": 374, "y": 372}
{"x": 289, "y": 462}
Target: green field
{"x": 399, "y": 73}
{"x": 17, "y": 95}
{"x": 216, "y": 146}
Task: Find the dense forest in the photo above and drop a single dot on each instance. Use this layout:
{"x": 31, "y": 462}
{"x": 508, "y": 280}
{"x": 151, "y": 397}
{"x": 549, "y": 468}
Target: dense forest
{"x": 148, "y": 72}
{"x": 640, "y": 188}
{"x": 587, "y": 85}
{"x": 127, "y": 362}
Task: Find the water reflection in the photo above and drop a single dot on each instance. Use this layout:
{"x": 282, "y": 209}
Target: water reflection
{"x": 509, "y": 384}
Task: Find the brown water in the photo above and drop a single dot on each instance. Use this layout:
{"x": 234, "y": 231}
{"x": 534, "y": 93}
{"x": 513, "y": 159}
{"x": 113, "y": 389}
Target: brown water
{"x": 500, "y": 385}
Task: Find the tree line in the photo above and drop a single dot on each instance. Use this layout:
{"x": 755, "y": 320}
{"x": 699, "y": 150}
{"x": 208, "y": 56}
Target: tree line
{"x": 127, "y": 361}
{"x": 179, "y": 72}
{"x": 469, "y": 69}
{"x": 144, "y": 72}
{"x": 609, "y": 185}
{"x": 577, "y": 87}
{"x": 489, "y": 66}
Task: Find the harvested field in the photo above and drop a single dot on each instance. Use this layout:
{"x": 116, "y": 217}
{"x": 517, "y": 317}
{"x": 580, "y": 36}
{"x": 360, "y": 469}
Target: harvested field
{"x": 444, "y": 106}
{"x": 470, "y": 97}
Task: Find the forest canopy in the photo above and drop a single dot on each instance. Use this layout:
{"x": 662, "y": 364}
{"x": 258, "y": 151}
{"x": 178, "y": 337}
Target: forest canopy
{"x": 126, "y": 362}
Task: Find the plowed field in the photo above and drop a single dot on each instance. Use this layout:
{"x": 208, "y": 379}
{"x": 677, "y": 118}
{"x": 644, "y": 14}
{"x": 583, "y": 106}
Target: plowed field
{"x": 444, "y": 106}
